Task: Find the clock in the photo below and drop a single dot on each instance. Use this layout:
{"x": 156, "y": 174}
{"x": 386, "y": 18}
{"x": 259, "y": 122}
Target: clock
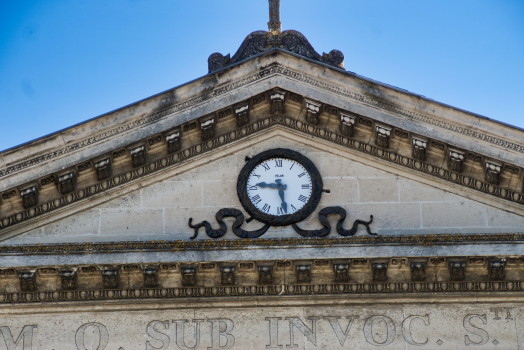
{"x": 279, "y": 187}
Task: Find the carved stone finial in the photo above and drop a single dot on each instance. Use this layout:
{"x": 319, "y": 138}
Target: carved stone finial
{"x": 274, "y": 26}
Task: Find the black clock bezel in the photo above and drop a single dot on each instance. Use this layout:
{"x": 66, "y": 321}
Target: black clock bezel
{"x": 280, "y": 220}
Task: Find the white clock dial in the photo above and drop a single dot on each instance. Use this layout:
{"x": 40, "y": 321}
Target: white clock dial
{"x": 279, "y": 186}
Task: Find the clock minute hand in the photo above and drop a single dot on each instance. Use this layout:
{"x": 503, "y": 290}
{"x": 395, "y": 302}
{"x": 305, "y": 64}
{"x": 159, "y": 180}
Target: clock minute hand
{"x": 283, "y": 204}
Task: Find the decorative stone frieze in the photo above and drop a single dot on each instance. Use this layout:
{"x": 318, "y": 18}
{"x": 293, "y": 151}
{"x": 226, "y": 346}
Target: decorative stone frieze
{"x": 242, "y": 114}
{"x": 207, "y": 126}
{"x": 29, "y": 196}
{"x": 496, "y": 270}
{"x": 150, "y": 277}
{"x": 492, "y": 172}
{"x": 188, "y": 276}
{"x": 67, "y": 182}
{"x": 419, "y": 146}
{"x": 456, "y": 160}
{"x": 227, "y": 275}
{"x": 103, "y": 169}
{"x": 418, "y": 271}
{"x": 347, "y": 122}
{"x": 380, "y": 270}
{"x": 68, "y": 279}
{"x": 265, "y": 274}
{"x": 303, "y": 273}
{"x": 382, "y": 135}
{"x": 457, "y": 270}
{"x": 110, "y": 278}
{"x": 277, "y": 100}
{"x": 312, "y": 111}
{"x": 138, "y": 155}
{"x": 27, "y": 281}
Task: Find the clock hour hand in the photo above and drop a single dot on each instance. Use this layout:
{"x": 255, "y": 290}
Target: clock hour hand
{"x": 264, "y": 185}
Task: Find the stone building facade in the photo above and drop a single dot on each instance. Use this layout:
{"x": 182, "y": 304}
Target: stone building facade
{"x": 414, "y": 240}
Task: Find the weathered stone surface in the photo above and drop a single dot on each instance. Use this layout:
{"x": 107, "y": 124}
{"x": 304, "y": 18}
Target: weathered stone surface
{"x": 271, "y": 325}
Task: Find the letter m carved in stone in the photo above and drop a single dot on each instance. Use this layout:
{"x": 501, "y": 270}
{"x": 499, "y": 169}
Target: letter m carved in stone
{"x": 25, "y": 338}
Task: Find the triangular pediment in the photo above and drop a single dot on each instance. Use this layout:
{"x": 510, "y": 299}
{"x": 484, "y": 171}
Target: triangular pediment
{"x": 419, "y": 148}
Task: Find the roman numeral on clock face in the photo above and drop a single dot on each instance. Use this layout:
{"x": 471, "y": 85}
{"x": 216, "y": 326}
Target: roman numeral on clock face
{"x": 266, "y": 208}
{"x": 252, "y": 188}
{"x": 256, "y": 199}
{"x": 293, "y": 207}
{"x": 305, "y": 187}
{"x": 300, "y": 175}
{"x": 302, "y": 198}
{"x": 278, "y": 163}
{"x": 265, "y": 166}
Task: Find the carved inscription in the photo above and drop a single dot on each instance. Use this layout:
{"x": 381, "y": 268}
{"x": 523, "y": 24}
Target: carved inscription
{"x": 317, "y": 327}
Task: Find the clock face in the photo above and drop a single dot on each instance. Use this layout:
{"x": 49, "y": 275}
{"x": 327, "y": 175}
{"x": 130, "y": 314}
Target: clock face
{"x": 279, "y": 186}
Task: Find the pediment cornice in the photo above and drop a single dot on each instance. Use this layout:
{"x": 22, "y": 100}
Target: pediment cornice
{"x": 217, "y": 97}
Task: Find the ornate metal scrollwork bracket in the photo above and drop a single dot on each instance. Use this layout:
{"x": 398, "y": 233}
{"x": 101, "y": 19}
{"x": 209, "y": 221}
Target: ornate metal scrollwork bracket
{"x": 322, "y": 217}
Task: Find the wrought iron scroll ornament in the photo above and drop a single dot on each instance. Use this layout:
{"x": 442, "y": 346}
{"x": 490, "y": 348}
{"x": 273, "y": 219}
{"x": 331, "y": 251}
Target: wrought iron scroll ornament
{"x": 260, "y": 41}
{"x": 322, "y": 217}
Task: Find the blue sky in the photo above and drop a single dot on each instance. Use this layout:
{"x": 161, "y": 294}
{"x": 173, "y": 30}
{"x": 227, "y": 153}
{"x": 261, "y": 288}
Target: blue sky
{"x": 63, "y": 62}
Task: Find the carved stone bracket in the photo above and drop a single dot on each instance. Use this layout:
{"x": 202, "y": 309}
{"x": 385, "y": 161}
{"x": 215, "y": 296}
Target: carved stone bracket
{"x": 347, "y": 123}
{"x": 276, "y": 99}
{"x": 227, "y": 275}
{"x": 341, "y": 272}
{"x": 456, "y": 160}
{"x": 150, "y": 277}
{"x": 29, "y": 196}
{"x": 173, "y": 140}
{"x": 496, "y": 270}
{"x": 382, "y": 135}
{"x": 68, "y": 279}
{"x": 67, "y": 182}
{"x": 103, "y": 169}
{"x": 418, "y": 271}
{"x": 303, "y": 273}
{"x": 138, "y": 155}
{"x": 242, "y": 114}
{"x": 265, "y": 274}
{"x": 207, "y": 125}
{"x": 492, "y": 172}
{"x": 457, "y": 270}
{"x": 419, "y": 147}
{"x": 312, "y": 111}
{"x": 27, "y": 281}
{"x": 188, "y": 276}
{"x": 380, "y": 271}
{"x": 110, "y": 278}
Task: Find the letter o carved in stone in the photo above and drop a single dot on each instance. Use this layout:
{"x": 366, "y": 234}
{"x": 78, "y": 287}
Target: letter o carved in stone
{"x": 103, "y": 336}
{"x": 390, "y": 330}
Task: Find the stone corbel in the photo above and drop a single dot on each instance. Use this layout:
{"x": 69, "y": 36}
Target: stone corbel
{"x": 380, "y": 271}
{"x": 27, "y": 280}
{"x": 67, "y": 181}
{"x": 103, "y": 168}
{"x": 138, "y": 155}
{"x": 188, "y": 276}
{"x": 150, "y": 277}
{"x": 347, "y": 123}
{"x": 456, "y": 160}
{"x": 68, "y": 279}
{"x": 312, "y": 111}
{"x": 173, "y": 140}
{"x": 382, "y": 135}
{"x": 277, "y": 101}
{"x": 419, "y": 146}
{"x": 492, "y": 172}
{"x": 227, "y": 275}
{"x": 418, "y": 271}
{"x": 457, "y": 270}
{"x": 110, "y": 278}
{"x": 303, "y": 273}
{"x": 341, "y": 273}
{"x": 242, "y": 113}
{"x": 207, "y": 125}
{"x": 496, "y": 270}
{"x": 265, "y": 274}
{"x": 29, "y": 194}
